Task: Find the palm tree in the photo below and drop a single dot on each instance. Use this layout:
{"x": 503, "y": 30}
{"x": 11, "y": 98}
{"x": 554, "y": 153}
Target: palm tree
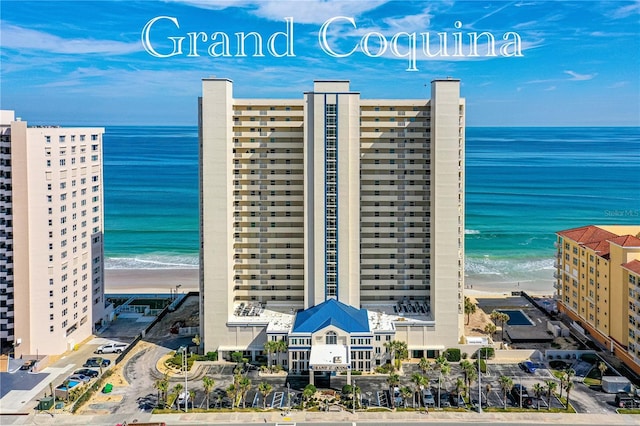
{"x": 406, "y": 393}
{"x": 470, "y": 373}
{"x": 489, "y": 329}
{"x": 307, "y": 393}
{"x": 281, "y": 347}
{"x": 505, "y": 384}
{"x": 419, "y": 382}
{"x": 244, "y": 385}
{"x": 504, "y": 318}
{"x": 603, "y": 369}
{"x": 208, "y": 383}
{"x": 469, "y": 308}
{"x": 551, "y": 387}
{"x": 265, "y": 389}
{"x": 487, "y": 389}
{"x": 232, "y": 391}
{"x": 393, "y": 380}
{"x": 163, "y": 387}
{"x": 566, "y": 378}
{"x": 424, "y": 365}
{"x": 460, "y": 385}
{"x": 271, "y": 347}
{"x": 177, "y": 389}
{"x": 397, "y": 351}
{"x": 538, "y": 390}
{"x": 568, "y": 388}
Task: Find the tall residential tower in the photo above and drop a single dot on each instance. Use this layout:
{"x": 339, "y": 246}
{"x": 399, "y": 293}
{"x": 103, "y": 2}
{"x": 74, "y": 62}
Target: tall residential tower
{"x": 51, "y": 246}
{"x": 327, "y": 205}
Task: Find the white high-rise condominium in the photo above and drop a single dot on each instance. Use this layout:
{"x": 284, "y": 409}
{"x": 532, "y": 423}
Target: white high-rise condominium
{"x": 331, "y": 222}
{"x": 51, "y": 245}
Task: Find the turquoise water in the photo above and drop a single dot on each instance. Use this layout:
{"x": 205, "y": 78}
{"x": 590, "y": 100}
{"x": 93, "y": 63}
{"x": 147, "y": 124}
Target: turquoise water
{"x": 523, "y": 184}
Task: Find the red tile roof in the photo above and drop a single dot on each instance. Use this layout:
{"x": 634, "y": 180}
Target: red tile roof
{"x": 626, "y": 241}
{"x": 633, "y": 266}
{"x": 598, "y": 239}
{"x": 587, "y": 234}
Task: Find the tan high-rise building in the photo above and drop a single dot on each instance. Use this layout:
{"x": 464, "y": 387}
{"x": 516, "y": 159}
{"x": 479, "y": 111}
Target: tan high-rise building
{"x": 331, "y": 197}
{"x": 51, "y": 245}
{"x": 598, "y": 283}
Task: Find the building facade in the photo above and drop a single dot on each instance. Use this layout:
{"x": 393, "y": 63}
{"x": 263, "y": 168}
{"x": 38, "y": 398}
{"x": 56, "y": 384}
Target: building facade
{"x": 598, "y": 287}
{"x": 51, "y": 239}
{"x": 331, "y": 197}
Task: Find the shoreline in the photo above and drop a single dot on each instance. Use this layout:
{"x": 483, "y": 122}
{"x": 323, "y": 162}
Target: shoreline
{"x": 158, "y": 280}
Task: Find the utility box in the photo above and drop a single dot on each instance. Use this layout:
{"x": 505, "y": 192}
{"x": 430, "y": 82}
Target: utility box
{"x": 615, "y": 384}
{"x": 46, "y": 403}
{"x": 107, "y": 388}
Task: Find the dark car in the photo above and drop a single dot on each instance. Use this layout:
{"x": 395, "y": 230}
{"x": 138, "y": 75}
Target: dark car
{"x": 624, "y": 400}
{"x": 516, "y": 391}
{"x": 87, "y": 372}
{"x": 444, "y": 399}
{"x": 456, "y": 400}
{"x": 28, "y": 365}
{"x": 528, "y": 366}
{"x": 97, "y": 362}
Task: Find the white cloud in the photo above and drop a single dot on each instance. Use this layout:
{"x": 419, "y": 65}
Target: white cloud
{"x": 302, "y": 11}
{"x": 617, "y": 85}
{"x": 16, "y": 37}
{"x": 579, "y": 77}
{"x": 550, "y": 89}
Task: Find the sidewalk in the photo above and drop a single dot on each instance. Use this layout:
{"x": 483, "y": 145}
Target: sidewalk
{"x": 326, "y": 417}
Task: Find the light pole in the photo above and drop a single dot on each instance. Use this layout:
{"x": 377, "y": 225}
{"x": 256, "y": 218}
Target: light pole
{"x": 354, "y": 396}
{"x": 175, "y": 294}
{"x": 479, "y": 381}
{"x": 184, "y": 366}
{"x": 288, "y": 396}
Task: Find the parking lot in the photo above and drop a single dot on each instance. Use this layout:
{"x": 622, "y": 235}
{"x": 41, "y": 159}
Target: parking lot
{"x": 134, "y": 390}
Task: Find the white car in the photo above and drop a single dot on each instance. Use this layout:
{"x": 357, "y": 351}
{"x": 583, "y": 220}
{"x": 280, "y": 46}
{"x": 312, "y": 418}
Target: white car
{"x": 110, "y": 348}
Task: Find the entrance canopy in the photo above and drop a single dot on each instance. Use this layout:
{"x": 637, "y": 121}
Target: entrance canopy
{"x": 329, "y": 358}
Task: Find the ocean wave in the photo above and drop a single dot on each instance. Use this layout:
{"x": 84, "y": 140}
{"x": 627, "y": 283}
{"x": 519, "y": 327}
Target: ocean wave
{"x": 471, "y": 232}
{"x": 153, "y": 262}
{"x": 514, "y": 268}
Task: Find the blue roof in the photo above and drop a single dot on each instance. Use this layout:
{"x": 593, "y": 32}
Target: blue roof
{"x": 332, "y": 312}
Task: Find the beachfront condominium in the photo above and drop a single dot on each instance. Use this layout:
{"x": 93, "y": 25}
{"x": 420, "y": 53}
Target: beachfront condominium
{"x": 331, "y": 220}
{"x": 598, "y": 284}
{"x": 51, "y": 262}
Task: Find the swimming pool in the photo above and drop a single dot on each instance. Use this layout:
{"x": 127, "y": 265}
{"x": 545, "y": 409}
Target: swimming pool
{"x": 516, "y": 317}
{"x": 72, "y": 384}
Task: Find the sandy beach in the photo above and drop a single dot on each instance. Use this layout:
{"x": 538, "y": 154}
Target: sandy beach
{"x": 131, "y": 281}
{"x": 154, "y": 281}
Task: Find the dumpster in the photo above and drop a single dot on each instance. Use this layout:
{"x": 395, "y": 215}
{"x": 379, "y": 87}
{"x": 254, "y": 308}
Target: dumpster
{"x": 107, "y": 388}
{"x": 46, "y": 403}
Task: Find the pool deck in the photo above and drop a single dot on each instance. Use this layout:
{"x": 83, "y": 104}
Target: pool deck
{"x": 536, "y": 332}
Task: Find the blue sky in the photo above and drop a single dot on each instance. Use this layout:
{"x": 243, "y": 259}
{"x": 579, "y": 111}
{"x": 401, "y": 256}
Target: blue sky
{"x": 76, "y": 62}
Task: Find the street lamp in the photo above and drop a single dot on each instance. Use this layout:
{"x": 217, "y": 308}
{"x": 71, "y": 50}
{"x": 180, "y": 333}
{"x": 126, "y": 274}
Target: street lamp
{"x": 184, "y": 366}
{"x": 479, "y": 381}
{"x": 175, "y": 293}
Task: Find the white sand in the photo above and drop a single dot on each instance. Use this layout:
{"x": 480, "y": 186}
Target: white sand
{"x": 152, "y": 281}
{"x": 165, "y": 281}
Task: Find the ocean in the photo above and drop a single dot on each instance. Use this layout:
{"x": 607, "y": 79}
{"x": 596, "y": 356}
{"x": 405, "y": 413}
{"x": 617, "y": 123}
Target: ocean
{"x": 522, "y": 185}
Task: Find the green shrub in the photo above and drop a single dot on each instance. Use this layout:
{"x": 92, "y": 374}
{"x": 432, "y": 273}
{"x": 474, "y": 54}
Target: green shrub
{"x": 452, "y": 355}
{"x": 485, "y": 353}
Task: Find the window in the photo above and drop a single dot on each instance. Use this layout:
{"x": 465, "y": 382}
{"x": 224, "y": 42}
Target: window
{"x": 331, "y": 338}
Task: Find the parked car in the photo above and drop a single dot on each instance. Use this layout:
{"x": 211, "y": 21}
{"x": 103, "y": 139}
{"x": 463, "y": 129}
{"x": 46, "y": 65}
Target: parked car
{"x": 516, "y": 391}
{"x": 183, "y": 399}
{"x": 79, "y": 378}
{"x": 444, "y": 400}
{"x": 528, "y": 366}
{"x": 456, "y": 400}
{"x": 87, "y": 372}
{"x": 429, "y": 400}
{"x": 28, "y": 365}
{"x": 624, "y": 400}
{"x": 110, "y": 348}
{"x": 96, "y": 362}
